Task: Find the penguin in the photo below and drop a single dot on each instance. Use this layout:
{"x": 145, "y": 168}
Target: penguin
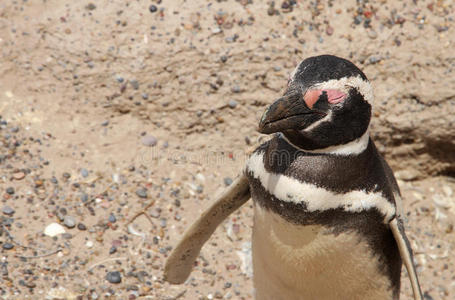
{"x": 328, "y": 220}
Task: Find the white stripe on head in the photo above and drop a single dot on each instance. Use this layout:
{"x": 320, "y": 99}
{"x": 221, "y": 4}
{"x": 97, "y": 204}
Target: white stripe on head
{"x": 346, "y": 83}
{"x": 291, "y": 190}
{"x": 356, "y": 146}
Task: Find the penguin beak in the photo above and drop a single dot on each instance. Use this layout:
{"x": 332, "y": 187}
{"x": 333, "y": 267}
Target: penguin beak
{"x": 290, "y": 112}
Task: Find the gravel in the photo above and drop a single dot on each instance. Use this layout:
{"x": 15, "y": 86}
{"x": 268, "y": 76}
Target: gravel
{"x": 114, "y": 277}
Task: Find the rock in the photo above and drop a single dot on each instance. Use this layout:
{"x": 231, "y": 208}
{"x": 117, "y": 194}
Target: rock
{"x": 10, "y": 190}
{"x": 84, "y": 172}
{"x": 149, "y": 141}
{"x": 141, "y": 193}
{"x": 54, "y": 229}
{"x": 8, "y": 246}
{"x": 406, "y": 175}
{"x": 112, "y": 218}
{"x": 19, "y": 175}
{"x": 134, "y": 83}
{"x": 69, "y": 221}
{"x": 114, "y": 277}
{"x": 232, "y": 103}
{"x": 227, "y": 181}
{"x": 81, "y": 226}
{"x": 372, "y": 34}
{"x": 89, "y": 244}
{"x": 7, "y": 210}
{"x": 153, "y": 8}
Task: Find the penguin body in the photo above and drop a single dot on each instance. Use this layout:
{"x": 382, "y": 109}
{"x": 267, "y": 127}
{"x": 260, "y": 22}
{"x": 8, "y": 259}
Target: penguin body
{"x": 319, "y": 225}
{"x": 327, "y": 208}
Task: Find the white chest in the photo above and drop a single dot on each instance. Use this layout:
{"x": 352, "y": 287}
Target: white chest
{"x": 308, "y": 262}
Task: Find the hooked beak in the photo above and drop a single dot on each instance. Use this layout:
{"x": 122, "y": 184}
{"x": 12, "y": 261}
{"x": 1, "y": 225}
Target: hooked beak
{"x": 288, "y": 113}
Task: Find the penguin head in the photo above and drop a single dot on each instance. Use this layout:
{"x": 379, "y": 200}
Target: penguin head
{"x": 327, "y": 103}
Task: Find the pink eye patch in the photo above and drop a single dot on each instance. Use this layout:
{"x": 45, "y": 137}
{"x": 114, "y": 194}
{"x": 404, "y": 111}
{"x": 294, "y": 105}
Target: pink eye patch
{"x": 333, "y": 96}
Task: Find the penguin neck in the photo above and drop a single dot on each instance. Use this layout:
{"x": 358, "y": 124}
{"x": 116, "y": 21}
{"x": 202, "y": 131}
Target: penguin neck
{"x": 354, "y": 147}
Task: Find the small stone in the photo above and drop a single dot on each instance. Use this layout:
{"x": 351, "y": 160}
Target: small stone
{"x": 66, "y": 175}
{"x": 329, "y": 30}
{"x": 149, "y": 141}
{"x": 105, "y": 123}
{"x": 81, "y": 226}
{"x": 119, "y": 79}
{"x": 227, "y": 181}
{"x": 112, "y": 250}
{"x": 69, "y": 221}
{"x": 89, "y": 244}
{"x": 236, "y": 89}
{"x": 153, "y": 8}
{"x": 7, "y": 210}
{"x": 19, "y": 175}
{"x": 135, "y": 84}
{"x": 427, "y": 296}
{"x": 145, "y": 96}
{"x": 10, "y": 190}
{"x": 112, "y": 218}
{"x": 114, "y": 277}
{"x": 358, "y": 19}
{"x": 84, "y": 172}
{"x": 90, "y": 6}
{"x": 54, "y": 229}
{"x": 141, "y": 193}
{"x": 372, "y": 34}
{"x": 8, "y": 246}
{"x": 232, "y": 103}
{"x": 223, "y": 58}
{"x": 84, "y": 197}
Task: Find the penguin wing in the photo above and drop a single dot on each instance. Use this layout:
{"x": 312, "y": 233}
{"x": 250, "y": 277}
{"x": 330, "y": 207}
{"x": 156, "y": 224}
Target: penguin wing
{"x": 396, "y": 225}
{"x": 181, "y": 260}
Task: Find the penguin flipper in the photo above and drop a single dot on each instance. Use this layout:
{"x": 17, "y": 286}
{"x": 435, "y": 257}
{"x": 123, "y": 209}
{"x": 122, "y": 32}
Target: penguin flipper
{"x": 396, "y": 225}
{"x": 181, "y": 260}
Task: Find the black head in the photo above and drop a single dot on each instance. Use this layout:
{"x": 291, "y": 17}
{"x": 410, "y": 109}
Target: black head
{"x": 327, "y": 103}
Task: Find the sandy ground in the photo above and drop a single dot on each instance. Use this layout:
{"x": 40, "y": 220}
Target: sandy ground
{"x": 110, "y": 107}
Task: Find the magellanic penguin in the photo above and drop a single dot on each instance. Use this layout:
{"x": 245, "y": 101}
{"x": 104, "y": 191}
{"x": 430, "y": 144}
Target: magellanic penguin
{"x": 327, "y": 208}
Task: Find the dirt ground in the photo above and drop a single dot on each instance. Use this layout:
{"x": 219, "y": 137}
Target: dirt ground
{"x": 109, "y": 107}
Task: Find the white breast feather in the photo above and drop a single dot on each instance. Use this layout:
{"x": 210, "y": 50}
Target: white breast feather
{"x": 315, "y": 198}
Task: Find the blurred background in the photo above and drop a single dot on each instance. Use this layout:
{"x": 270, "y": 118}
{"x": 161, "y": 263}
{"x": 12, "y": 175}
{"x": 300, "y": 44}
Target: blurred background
{"x": 113, "y": 108}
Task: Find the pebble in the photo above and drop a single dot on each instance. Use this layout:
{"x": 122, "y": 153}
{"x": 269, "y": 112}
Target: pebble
{"x": 89, "y": 244}
{"x": 7, "y": 210}
{"x": 145, "y": 96}
{"x": 149, "y": 141}
{"x": 372, "y": 34}
{"x": 114, "y": 277}
{"x": 19, "y": 175}
{"x": 134, "y": 83}
{"x": 112, "y": 250}
{"x": 84, "y": 172}
{"x": 54, "y": 229}
{"x": 223, "y": 58}
{"x": 228, "y": 181}
{"x": 10, "y": 190}
{"x": 84, "y": 197}
{"x": 69, "y": 221}
{"x": 105, "y": 123}
{"x": 90, "y": 6}
{"x": 153, "y": 8}
{"x": 142, "y": 193}
{"x": 232, "y": 103}
{"x": 119, "y": 79}
{"x": 112, "y": 218}
{"x": 81, "y": 226}
{"x": 236, "y": 89}
{"x": 8, "y": 246}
